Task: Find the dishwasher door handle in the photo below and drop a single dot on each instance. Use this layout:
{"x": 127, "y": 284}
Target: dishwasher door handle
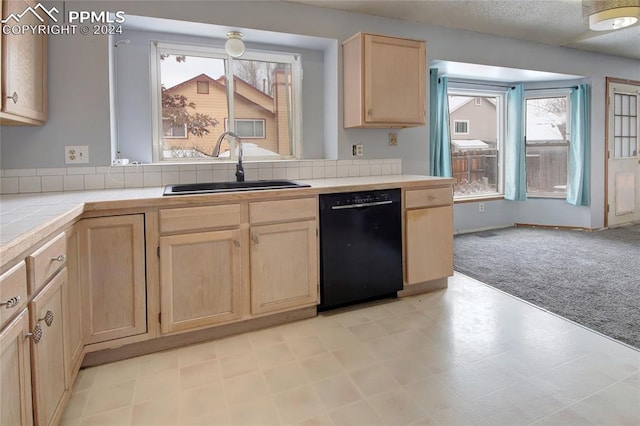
{"x": 357, "y": 206}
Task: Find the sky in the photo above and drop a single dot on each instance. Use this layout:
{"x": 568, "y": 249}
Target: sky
{"x": 173, "y": 72}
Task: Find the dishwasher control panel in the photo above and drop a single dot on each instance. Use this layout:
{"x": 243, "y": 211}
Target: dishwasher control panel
{"x": 363, "y": 198}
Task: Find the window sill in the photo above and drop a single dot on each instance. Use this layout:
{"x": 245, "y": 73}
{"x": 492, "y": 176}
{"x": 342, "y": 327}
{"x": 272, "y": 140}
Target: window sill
{"x": 554, "y": 196}
{"x": 477, "y": 199}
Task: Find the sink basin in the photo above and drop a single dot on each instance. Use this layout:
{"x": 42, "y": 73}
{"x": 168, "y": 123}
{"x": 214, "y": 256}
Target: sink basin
{"x": 212, "y": 187}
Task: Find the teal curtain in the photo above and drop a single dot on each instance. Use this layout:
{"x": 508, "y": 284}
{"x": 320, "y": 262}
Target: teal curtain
{"x": 578, "y": 185}
{"x": 439, "y": 138}
{"x": 514, "y": 149}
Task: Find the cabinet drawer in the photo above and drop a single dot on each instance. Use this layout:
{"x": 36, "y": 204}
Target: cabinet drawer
{"x": 283, "y": 210}
{"x": 194, "y": 218}
{"x": 428, "y": 197}
{"x": 44, "y": 262}
{"x": 13, "y": 291}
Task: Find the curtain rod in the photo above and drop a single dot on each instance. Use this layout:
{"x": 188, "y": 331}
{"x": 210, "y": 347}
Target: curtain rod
{"x": 552, "y": 88}
{"x": 478, "y": 83}
{"x": 508, "y": 85}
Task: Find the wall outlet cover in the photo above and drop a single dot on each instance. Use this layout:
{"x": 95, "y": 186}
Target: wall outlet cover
{"x": 76, "y": 154}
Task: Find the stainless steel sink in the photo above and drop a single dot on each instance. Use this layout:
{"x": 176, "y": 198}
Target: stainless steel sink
{"x": 212, "y": 187}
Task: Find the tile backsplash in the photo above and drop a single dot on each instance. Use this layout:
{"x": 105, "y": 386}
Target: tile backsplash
{"x": 18, "y": 181}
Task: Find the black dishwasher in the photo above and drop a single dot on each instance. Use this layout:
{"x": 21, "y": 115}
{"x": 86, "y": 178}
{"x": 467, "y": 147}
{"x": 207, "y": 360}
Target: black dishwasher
{"x": 360, "y": 246}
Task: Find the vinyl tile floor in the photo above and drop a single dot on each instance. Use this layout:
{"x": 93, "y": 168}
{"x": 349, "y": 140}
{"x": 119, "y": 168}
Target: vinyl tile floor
{"x": 465, "y": 355}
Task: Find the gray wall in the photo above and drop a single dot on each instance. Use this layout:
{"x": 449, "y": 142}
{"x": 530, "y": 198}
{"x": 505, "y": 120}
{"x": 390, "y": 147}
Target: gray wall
{"x": 79, "y": 101}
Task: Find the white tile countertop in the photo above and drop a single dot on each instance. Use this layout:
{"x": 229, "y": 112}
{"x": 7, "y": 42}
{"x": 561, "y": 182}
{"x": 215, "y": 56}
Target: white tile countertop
{"x": 42, "y": 213}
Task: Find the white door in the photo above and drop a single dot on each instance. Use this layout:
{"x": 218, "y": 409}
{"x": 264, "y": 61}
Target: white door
{"x": 623, "y": 164}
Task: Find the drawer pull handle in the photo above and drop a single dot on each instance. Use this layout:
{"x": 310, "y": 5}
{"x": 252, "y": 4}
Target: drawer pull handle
{"x": 36, "y": 334}
{"x": 48, "y": 318}
{"x": 13, "y": 97}
{"x": 431, "y": 197}
{"x": 11, "y": 303}
{"x": 60, "y": 258}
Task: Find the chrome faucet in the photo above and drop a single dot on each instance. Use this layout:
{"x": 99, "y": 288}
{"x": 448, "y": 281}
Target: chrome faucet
{"x": 216, "y": 153}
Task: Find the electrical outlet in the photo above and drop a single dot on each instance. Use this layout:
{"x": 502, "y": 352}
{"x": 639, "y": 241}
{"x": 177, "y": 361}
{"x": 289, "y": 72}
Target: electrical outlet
{"x": 76, "y": 154}
{"x": 393, "y": 139}
{"x": 481, "y": 207}
{"x": 357, "y": 150}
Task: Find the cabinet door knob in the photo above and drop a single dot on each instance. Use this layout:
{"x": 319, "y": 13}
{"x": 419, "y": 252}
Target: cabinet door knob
{"x": 255, "y": 239}
{"x": 60, "y": 258}
{"x": 236, "y": 243}
{"x": 369, "y": 112}
{"x": 48, "y": 318}
{"x": 36, "y": 334}
{"x": 13, "y": 97}
{"x": 11, "y": 303}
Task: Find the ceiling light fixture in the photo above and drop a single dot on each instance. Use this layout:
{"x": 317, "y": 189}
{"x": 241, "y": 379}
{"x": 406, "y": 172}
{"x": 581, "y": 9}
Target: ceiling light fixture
{"x": 234, "y": 45}
{"x": 607, "y": 15}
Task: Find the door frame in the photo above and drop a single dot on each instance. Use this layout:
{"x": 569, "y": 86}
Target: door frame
{"x": 609, "y": 81}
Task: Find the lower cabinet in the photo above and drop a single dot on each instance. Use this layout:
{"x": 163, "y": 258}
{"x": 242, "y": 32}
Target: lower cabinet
{"x": 112, "y": 272}
{"x": 428, "y": 235}
{"x": 284, "y": 266}
{"x": 49, "y": 366}
{"x": 15, "y": 384}
{"x": 200, "y": 279}
{"x": 74, "y": 344}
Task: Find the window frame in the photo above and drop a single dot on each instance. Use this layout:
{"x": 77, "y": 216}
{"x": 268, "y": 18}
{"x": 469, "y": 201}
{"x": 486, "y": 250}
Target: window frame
{"x": 477, "y": 90}
{"x": 198, "y": 84}
{"x": 186, "y": 135}
{"x": 191, "y": 49}
{"x": 455, "y": 122}
{"x": 254, "y": 120}
{"x": 547, "y": 94}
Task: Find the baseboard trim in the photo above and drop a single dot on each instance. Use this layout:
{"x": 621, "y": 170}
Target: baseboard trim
{"x": 486, "y": 228}
{"x": 178, "y": 340}
{"x": 413, "y": 289}
{"x": 566, "y": 228}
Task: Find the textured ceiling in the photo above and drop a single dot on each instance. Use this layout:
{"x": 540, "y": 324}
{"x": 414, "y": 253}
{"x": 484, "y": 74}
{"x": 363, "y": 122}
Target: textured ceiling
{"x": 555, "y": 22}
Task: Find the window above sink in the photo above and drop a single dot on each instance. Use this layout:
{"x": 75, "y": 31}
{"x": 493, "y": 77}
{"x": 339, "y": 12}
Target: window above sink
{"x": 142, "y": 133}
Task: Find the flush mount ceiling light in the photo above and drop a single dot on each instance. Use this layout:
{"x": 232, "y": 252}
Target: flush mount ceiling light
{"x": 606, "y": 15}
{"x": 234, "y": 45}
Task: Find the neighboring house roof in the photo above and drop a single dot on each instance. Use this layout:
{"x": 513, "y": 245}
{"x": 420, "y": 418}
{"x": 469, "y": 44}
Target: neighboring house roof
{"x": 457, "y": 102}
{"x": 220, "y": 85}
{"x": 200, "y": 77}
{"x": 469, "y": 144}
{"x": 250, "y": 92}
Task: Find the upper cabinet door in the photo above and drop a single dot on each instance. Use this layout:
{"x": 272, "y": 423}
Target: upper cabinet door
{"x": 384, "y": 81}
{"x": 24, "y": 68}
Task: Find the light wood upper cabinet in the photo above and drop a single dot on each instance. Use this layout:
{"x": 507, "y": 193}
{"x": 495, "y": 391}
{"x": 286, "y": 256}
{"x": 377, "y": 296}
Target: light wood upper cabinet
{"x": 384, "y": 81}
{"x": 15, "y": 382}
{"x": 200, "y": 279}
{"x": 23, "y": 70}
{"x": 428, "y": 234}
{"x": 51, "y": 381}
{"x": 284, "y": 266}
{"x": 112, "y": 272}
